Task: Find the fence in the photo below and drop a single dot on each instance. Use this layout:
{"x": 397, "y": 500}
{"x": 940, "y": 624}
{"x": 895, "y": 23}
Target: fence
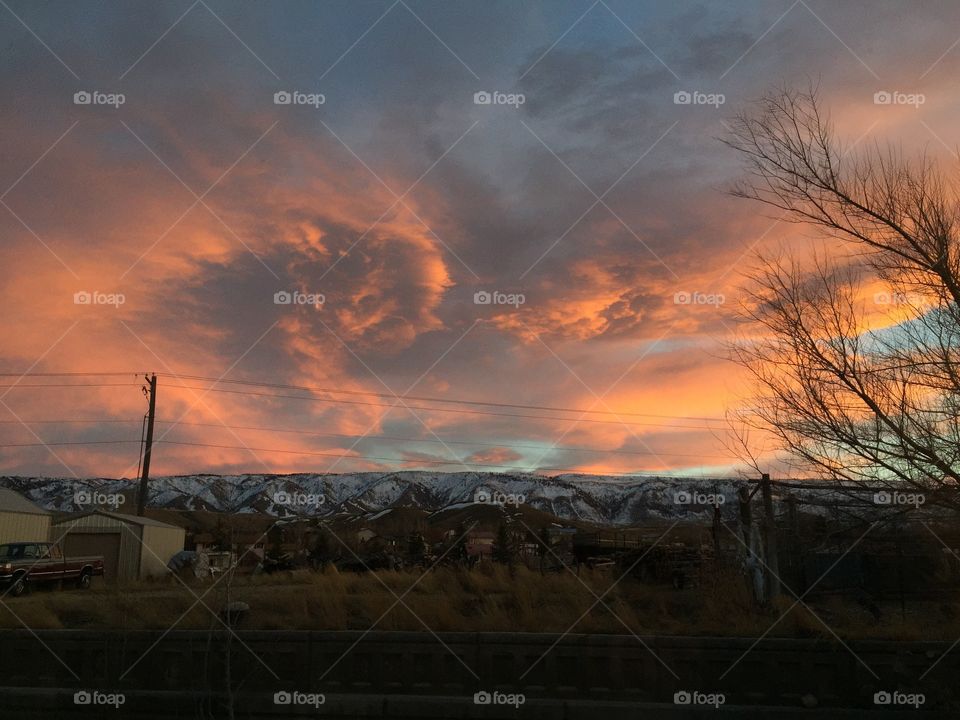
{"x": 773, "y": 672}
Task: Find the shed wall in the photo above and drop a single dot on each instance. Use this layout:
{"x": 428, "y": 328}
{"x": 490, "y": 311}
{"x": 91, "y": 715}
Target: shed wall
{"x": 128, "y": 562}
{"x": 160, "y": 544}
{"x": 23, "y": 526}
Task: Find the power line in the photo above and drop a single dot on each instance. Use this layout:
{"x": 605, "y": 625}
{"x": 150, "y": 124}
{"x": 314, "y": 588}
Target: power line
{"x": 421, "y": 398}
{"x": 400, "y": 402}
{"x": 64, "y": 422}
{"x": 62, "y": 385}
{"x": 434, "y": 409}
{"x": 70, "y": 374}
{"x": 388, "y": 438}
{"x": 418, "y": 461}
{"x": 509, "y": 446}
{"x": 395, "y": 460}
{"x": 337, "y": 391}
{"x": 72, "y": 442}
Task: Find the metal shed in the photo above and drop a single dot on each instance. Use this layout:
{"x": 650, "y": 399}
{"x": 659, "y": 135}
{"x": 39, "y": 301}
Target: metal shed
{"x": 133, "y": 547}
{"x": 20, "y": 519}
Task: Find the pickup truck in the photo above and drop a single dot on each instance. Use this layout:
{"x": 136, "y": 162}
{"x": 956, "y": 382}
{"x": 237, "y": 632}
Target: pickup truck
{"x": 23, "y": 564}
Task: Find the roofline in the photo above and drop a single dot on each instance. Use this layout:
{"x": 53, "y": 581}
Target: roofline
{"x": 131, "y": 519}
{"x": 38, "y": 511}
{"x": 32, "y": 507}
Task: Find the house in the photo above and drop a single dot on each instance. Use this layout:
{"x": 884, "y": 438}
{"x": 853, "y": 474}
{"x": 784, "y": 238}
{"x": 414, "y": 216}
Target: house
{"x": 528, "y": 549}
{"x": 556, "y": 534}
{"x": 133, "y": 547}
{"x": 247, "y": 550}
{"x": 480, "y": 544}
{"x": 365, "y": 535}
{"x": 202, "y": 542}
{"x": 20, "y": 519}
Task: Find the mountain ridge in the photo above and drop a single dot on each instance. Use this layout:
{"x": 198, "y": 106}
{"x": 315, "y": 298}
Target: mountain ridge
{"x": 600, "y": 499}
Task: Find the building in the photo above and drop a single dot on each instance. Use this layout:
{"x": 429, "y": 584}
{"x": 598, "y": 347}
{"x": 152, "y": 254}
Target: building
{"x": 20, "y": 519}
{"x": 132, "y": 547}
{"x": 246, "y": 549}
{"x": 365, "y": 535}
{"x": 557, "y": 534}
{"x": 480, "y": 544}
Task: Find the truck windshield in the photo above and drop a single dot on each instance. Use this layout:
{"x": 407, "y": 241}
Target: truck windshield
{"x": 12, "y": 551}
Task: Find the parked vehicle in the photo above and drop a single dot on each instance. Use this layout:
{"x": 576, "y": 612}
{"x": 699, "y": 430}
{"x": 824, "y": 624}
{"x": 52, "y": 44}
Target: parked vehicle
{"x": 23, "y": 564}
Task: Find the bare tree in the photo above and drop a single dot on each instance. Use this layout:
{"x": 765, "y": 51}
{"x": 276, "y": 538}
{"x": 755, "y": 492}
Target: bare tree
{"x": 851, "y": 398}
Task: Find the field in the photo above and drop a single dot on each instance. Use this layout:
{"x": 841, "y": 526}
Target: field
{"x": 488, "y": 598}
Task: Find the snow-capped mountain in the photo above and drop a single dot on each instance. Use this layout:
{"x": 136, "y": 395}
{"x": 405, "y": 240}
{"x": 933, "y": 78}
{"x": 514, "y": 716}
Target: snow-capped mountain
{"x": 598, "y": 499}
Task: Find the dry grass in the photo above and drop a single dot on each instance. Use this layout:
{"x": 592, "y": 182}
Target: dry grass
{"x": 489, "y": 598}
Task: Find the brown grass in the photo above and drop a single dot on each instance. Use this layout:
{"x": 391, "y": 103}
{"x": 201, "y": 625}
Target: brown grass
{"x": 488, "y": 598}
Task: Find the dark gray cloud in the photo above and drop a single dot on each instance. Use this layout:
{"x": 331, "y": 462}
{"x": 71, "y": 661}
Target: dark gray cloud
{"x": 402, "y": 295}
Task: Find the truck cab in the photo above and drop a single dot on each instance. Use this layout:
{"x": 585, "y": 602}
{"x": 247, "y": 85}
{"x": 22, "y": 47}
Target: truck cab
{"x": 23, "y": 564}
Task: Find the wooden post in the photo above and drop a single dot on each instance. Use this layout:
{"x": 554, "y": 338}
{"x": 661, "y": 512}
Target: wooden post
{"x": 770, "y": 539}
{"x": 716, "y": 534}
{"x": 903, "y": 600}
{"x": 793, "y": 515}
{"x": 746, "y": 515}
{"x": 754, "y": 548}
{"x": 793, "y": 551}
{"x": 148, "y": 448}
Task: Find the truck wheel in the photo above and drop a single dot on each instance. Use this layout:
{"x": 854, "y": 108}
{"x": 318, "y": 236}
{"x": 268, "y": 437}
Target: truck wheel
{"x": 20, "y": 586}
{"x": 85, "y": 578}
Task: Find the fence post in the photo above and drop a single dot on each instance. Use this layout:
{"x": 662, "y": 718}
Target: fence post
{"x": 770, "y": 539}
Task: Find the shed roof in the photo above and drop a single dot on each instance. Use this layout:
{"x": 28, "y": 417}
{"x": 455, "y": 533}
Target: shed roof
{"x": 132, "y": 519}
{"x": 14, "y": 502}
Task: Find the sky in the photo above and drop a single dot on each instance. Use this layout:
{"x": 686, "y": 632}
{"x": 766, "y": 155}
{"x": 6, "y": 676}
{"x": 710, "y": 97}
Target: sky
{"x": 517, "y": 203}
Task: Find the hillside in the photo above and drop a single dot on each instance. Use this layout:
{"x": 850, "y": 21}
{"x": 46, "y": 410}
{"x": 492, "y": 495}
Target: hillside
{"x": 602, "y": 500}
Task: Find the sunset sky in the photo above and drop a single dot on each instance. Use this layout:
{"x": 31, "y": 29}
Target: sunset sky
{"x": 397, "y": 199}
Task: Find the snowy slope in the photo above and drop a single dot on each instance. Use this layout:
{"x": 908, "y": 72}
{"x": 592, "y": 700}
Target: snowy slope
{"x": 599, "y": 499}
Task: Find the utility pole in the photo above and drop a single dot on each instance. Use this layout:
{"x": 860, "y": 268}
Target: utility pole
{"x": 148, "y": 447}
{"x": 770, "y": 539}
